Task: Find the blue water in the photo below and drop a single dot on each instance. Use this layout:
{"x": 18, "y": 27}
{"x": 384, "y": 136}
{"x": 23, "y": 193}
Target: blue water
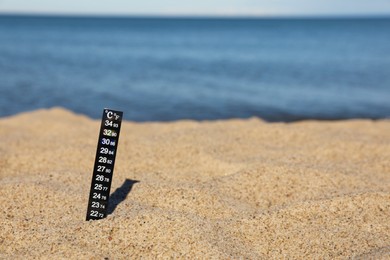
{"x": 167, "y": 69}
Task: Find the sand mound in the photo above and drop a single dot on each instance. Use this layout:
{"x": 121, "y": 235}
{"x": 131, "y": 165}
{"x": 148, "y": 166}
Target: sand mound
{"x": 222, "y": 189}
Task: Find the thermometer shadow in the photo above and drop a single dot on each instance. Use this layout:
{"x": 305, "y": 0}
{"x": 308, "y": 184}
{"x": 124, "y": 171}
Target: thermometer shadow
{"x": 120, "y": 195}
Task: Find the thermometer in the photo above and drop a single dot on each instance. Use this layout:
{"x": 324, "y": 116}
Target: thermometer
{"x": 104, "y": 164}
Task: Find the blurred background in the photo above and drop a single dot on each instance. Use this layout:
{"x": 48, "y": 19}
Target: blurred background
{"x": 278, "y": 60}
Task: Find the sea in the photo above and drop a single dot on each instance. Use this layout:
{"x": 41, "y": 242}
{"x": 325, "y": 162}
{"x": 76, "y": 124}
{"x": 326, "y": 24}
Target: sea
{"x": 205, "y": 68}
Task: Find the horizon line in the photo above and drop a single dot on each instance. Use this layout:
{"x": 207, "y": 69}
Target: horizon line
{"x": 193, "y": 16}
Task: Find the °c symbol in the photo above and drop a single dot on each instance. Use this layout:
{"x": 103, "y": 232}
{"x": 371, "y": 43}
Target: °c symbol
{"x": 109, "y": 115}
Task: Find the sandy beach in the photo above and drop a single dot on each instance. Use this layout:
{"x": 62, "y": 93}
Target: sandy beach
{"x": 208, "y": 190}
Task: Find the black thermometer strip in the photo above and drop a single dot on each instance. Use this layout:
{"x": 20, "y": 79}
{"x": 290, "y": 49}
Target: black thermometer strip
{"x": 104, "y": 164}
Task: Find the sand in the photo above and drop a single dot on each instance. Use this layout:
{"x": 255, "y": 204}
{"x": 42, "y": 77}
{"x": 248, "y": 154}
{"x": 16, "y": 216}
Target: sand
{"x": 221, "y": 189}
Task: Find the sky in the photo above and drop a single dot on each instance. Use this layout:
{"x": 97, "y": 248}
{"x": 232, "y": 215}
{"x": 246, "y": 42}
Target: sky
{"x": 199, "y": 7}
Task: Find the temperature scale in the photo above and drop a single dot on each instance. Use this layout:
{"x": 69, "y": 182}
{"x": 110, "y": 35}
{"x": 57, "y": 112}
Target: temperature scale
{"x": 104, "y": 164}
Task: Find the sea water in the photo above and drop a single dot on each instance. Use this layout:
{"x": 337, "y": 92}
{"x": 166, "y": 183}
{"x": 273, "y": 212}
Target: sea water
{"x": 159, "y": 69}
